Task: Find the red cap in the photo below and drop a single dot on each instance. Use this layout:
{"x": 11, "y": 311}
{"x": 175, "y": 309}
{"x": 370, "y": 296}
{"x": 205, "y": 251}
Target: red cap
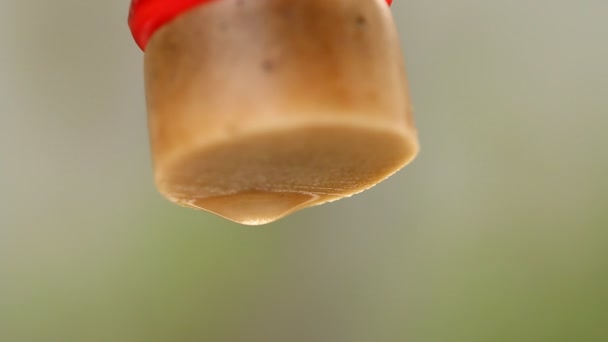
{"x": 147, "y": 16}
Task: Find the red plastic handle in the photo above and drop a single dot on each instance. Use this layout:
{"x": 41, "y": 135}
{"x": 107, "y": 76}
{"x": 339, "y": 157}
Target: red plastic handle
{"x": 147, "y": 16}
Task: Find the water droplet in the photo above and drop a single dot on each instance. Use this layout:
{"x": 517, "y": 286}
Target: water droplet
{"x": 255, "y": 208}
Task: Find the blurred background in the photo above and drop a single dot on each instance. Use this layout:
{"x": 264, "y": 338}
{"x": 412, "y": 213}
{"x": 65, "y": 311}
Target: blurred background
{"x": 497, "y": 232}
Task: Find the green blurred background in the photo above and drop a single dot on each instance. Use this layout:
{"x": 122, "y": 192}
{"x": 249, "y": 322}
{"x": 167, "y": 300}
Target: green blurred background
{"x": 497, "y": 232}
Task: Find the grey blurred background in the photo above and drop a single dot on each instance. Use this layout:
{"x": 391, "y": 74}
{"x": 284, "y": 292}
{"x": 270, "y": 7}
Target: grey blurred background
{"x": 497, "y": 232}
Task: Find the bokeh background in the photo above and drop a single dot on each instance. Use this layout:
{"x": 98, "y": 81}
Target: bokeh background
{"x": 497, "y": 232}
